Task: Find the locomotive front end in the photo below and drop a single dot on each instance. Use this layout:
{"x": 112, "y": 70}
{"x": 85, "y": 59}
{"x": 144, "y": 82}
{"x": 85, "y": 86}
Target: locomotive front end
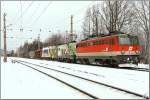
{"x": 129, "y": 49}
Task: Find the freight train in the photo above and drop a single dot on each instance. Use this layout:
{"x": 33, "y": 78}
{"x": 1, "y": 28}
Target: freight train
{"x": 111, "y": 49}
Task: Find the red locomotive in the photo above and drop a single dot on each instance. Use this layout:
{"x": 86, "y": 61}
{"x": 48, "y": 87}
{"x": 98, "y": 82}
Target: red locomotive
{"x": 113, "y": 49}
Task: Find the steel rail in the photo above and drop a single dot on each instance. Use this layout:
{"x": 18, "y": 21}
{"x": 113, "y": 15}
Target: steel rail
{"x": 114, "y": 87}
{"x": 84, "y": 92}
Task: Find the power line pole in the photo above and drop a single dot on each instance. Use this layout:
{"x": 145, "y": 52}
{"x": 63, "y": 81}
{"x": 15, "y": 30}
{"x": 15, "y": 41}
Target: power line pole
{"x": 66, "y": 37}
{"x": 71, "y": 29}
{"x": 5, "y": 47}
{"x": 39, "y": 41}
{"x": 15, "y": 47}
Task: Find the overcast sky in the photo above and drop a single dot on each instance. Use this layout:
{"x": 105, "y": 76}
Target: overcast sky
{"x": 45, "y": 15}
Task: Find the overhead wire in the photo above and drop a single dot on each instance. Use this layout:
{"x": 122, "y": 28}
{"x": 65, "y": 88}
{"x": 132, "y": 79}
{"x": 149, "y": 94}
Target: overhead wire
{"x": 33, "y": 23}
{"x": 34, "y": 12}
{"x": 43, "y": 11}
{"x": 3, "y": 9}
{"x": 23, "y": 13}
{"x": 61, "y": 19}
{"x": 15, "y": 18}
{"x": 76, "y": 13}
{"x": 3, "y": 5}
{"x": 12, "y": 37}
{"x": 21, "y": 17}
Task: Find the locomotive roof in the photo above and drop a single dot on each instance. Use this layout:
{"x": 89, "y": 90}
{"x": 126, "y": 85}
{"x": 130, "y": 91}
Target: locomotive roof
{"x": 106, "y": 36}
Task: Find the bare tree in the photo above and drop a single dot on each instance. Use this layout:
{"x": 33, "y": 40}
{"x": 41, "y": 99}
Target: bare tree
{"x": 86, "y": 26}
{"x": 92, "y": 21}
{"x": 95, "y": 18}
{"x": 109, "y": 16}
{"x": 27, "y": 47}
{"x": 55, "y": 39}
{"x": 143, "y": 17}
{"x": 116, "y": 15}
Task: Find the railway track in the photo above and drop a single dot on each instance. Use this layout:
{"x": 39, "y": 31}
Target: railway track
{"x": 76, "y": 88}
{"x": 127, "y": 68}
{"x": 116, "y": 67}
{"x": 115, "y": 91}
{"x": 110, "y": 66}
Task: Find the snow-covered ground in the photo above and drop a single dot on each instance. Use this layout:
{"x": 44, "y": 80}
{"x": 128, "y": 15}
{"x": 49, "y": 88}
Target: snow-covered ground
{"x": 136, "y": 81}
{"x": 21, "y": 82}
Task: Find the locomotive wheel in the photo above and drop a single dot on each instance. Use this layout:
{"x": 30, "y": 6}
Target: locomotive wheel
{"x": 86, "y": 61}
{"x": 101, "y": 61}
{"x": 97, "y": 61}
{"x": 79, "y": 61}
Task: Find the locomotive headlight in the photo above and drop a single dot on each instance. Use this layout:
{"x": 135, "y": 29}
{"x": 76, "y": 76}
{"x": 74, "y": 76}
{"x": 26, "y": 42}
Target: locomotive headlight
{"x": 122, "y": 52}
{"x": 137, "y": 52}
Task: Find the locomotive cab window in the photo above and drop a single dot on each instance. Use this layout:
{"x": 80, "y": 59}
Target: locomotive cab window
{"x": 134, "y": 40}
{"x": 124, "y": 40}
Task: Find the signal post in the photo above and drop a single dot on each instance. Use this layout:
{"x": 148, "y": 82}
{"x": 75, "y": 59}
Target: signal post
{"x": 5, "y": 46}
